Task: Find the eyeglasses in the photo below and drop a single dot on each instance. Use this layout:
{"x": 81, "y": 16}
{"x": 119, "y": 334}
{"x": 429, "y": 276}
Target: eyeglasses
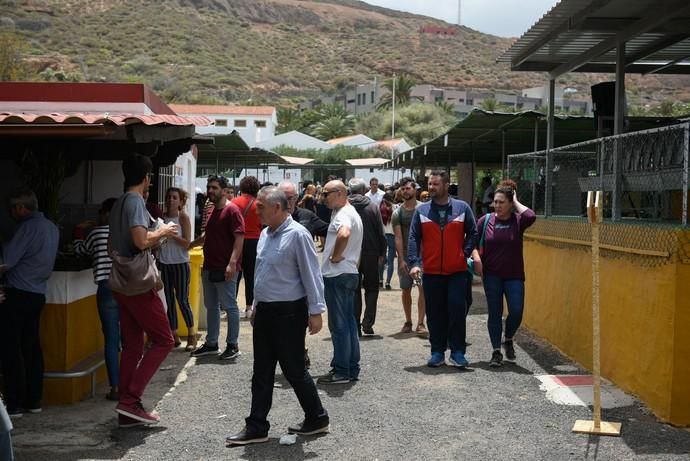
{"x": 326, "y": 192}
{"x": 291, "y": 198}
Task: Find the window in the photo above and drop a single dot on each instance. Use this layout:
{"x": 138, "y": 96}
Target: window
{"x": 372, "y": 97}
{"x": 359, "y": 99}
{"x": 221, "y": 122}
{"x": 240, "y": 123}
{"x": 260, "y": 123}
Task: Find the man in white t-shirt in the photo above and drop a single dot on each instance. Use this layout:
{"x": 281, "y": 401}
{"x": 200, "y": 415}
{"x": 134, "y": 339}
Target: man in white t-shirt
{"x": 375, "y": 194}
{"x": 340, "y": 276}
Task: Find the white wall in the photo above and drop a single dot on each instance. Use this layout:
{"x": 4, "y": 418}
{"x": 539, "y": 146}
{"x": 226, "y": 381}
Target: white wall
{"x": 384, "y": 176}
{"x": 250, "y": 134}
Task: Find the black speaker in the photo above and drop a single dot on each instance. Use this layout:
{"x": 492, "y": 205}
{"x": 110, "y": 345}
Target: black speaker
{"x": 604, "y": 107}
{"x": 604, "y": 99}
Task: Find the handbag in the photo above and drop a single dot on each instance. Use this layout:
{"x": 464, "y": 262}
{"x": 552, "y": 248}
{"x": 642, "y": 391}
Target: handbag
{"x": 134, "y": 275}
{"x": 470, "y": 261}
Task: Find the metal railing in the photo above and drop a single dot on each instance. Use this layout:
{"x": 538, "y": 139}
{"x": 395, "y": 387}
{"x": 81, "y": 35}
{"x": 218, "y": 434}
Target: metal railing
{"x": 644, "y": 176}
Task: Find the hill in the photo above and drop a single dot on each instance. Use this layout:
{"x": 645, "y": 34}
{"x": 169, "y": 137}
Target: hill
{"x": 265, "y": 50}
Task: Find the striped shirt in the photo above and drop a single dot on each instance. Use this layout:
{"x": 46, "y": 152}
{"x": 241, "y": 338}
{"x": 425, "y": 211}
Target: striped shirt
{"x": 96, "y": 246}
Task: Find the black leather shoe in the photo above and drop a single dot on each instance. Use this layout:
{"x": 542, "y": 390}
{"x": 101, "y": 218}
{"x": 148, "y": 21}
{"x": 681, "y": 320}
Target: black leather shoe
{"x": 245, "y": 437}
{"x": 317, "y": 426}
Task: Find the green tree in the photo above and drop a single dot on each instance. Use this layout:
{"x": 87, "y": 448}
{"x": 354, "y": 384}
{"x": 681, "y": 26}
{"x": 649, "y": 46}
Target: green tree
{"x": 491, "y": 105}
{"x": 445, "y": 106}
{"x": 403, "y": 92}
{"x": 289, "y": 119}
{"x": 12, "y": 49}
{"x": 332, "y": 122}
{"x": 419, "y": 123}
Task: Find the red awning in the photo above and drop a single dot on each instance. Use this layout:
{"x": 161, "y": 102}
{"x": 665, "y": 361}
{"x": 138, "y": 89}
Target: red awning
{"x": 7, "y": 118}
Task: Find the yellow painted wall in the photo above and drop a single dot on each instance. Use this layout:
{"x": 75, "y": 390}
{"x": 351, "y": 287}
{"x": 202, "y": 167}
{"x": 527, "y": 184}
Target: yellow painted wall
{"x": 70, "y": 333}
{"x": 645, "y": 314}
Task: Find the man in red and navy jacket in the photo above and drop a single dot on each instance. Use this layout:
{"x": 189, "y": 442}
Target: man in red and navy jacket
{"x": 441, "y": 238}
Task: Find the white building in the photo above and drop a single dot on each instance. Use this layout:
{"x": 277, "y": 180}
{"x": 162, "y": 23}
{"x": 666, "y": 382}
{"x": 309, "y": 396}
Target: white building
{"x": 356, "y": 140}
{"x": 254, "y": 123}
{"x": 296, "y": 140}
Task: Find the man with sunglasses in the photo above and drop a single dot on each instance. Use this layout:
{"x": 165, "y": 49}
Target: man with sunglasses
{"x": 340, "y": 270}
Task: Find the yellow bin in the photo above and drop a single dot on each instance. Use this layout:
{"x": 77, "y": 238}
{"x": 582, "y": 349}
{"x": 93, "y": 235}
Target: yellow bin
{"x": 196, "y": 260}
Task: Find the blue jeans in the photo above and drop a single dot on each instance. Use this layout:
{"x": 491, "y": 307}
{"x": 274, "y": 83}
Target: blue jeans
{"x": 217, "y": 296}
{"x": 390, "y": 259}
{"x": 514, "y": 290}
{"x": 339, "y": 292}
{"x": 445, "y": 310}
{"x": 109, "y": 312}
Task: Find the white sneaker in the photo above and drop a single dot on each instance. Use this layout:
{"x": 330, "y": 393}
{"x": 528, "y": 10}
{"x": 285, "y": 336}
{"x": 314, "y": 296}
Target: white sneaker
{"x": 248, "y": 313}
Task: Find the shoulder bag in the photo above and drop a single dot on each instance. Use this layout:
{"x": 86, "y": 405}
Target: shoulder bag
{"x": 134, "y": 275}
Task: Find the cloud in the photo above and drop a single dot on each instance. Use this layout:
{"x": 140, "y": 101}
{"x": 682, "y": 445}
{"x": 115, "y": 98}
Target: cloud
{"x": 505, "y": 18}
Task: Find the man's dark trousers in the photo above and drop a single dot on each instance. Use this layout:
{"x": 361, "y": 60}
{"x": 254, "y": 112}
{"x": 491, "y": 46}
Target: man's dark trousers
{"x": 369, "y": 280}
{"x": 20, "y": 348}
{"x": 278, "y": 337}
{"x": 445, "y": 310}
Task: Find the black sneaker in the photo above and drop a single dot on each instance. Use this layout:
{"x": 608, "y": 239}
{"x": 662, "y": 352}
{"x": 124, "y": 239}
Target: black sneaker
{"x": 388, "y": 286}
{"x": 510, "y": 351}
{"x": 15, "y": 413}
{"x": 205, "y": 349}
{"x": 245, "y": 437}
{"x": 306, "y": 427}
{"x": 367, "y": 330}
{"x": 231, "y": 352}
{"x": 496, "y": 359}
{"x": 332, "y": 378}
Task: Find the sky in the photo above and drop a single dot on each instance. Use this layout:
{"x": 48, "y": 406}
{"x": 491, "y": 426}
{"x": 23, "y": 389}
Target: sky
{"x": 505, "y": 18}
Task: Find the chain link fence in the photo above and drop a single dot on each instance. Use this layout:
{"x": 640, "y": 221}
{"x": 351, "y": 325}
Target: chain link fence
{"x": 644, "y": 177}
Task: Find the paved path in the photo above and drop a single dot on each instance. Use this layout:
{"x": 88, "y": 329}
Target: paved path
{"x": 399, "y": 410}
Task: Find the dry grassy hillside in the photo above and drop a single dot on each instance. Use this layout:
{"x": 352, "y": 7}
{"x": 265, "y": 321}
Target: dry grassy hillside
{"x": 228, "y": 50}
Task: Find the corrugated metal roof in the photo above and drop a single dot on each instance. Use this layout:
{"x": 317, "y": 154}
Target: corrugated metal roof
{"x": 656, "y": 34}
{"x": 101, "y": 119}
{"x": 367, "y": 161}
{"x": 297, "y": 160}
{"x": 222, "y": 110}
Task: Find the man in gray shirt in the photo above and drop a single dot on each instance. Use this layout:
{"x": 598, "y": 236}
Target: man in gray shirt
{"x": 288, "y": 297}
{"x": 140, "y": 313}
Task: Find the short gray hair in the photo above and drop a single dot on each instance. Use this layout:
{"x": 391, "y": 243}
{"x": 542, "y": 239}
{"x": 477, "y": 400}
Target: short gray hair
{"x": 273, "y": 195}
{"x": 357, "y": 186}
{"x": 288, "y": 184}
{"x": 25, "y": 197}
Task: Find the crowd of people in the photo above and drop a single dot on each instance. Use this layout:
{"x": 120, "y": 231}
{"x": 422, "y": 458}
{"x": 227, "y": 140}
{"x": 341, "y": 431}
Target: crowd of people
{"x": 271, "y": 235}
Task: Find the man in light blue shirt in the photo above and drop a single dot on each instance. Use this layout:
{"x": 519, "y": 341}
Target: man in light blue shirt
{"x": 29, "y": 258}
{"x": 288, "y": 298}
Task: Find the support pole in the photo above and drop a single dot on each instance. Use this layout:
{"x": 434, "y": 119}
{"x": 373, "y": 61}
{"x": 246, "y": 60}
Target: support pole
{"x": 503, "y": 154}
{"x": 549, "y": 145}
{"x": 597, "y": 426}
{"x": 618, "y": 121}
{"x": 686, "y": 153}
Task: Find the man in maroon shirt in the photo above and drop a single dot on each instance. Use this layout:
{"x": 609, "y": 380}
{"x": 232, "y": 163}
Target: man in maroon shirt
{"x": 222, "y": 242}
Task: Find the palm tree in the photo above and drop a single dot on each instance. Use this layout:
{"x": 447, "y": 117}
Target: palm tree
{"x": 403, "y": 92}
{"x": 333, "y": 127}
{"x": 489, "y": 105}
{"x": 289, "y": 119}
{"x": 332, "y": 121}
{"x": 445, "y": 106}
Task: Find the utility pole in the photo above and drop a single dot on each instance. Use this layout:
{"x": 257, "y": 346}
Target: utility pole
{"x": 393, "y": 101}
{"x": 459, "y": 12}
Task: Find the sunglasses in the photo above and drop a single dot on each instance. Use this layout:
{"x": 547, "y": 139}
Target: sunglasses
{"x": 326, "y": 192}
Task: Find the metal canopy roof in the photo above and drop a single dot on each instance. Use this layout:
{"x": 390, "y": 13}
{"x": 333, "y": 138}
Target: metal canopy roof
{"x": 479, "y": 137}
{"x": 230, "y": 152}
{"x": 582, "y": 35}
